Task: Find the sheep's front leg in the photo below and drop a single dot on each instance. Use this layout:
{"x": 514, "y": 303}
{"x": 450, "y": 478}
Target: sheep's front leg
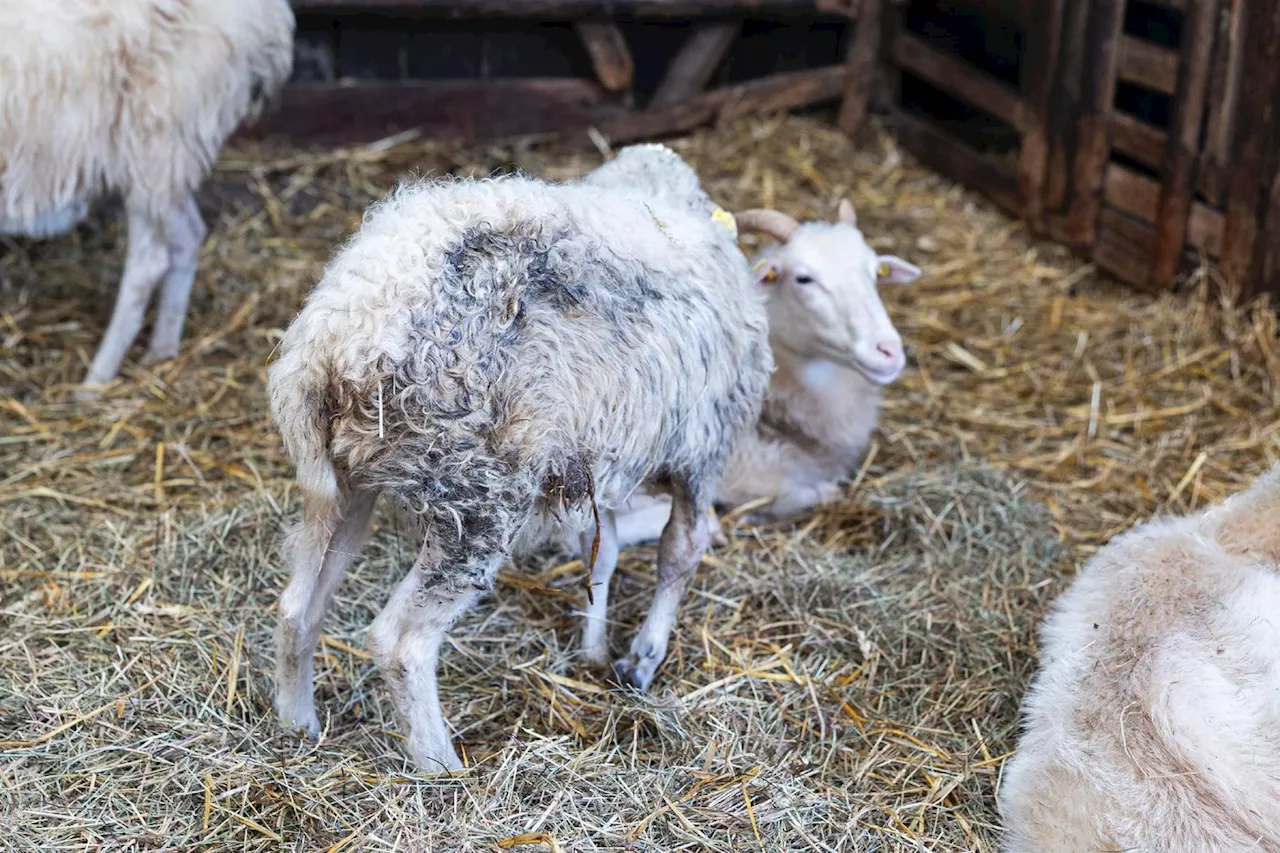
{"x": 146, "y": 261}
{"x": 405, "y": 642}
{"x": 684, "y": 541}
{"x": 185, "y": 232}
{"x": 595, "y": 631}
{"x": 320, "y": 550}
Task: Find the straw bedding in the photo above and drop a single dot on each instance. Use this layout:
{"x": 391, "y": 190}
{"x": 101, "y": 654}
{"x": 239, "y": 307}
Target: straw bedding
{"x": 848, "y": 683}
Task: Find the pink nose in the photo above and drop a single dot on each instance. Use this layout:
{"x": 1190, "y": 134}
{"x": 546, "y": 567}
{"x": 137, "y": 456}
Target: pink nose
{"x": 889, "y": 350}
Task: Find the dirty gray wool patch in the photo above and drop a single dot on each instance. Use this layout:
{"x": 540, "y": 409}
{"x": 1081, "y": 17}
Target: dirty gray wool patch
{"x": 849, "y": 687}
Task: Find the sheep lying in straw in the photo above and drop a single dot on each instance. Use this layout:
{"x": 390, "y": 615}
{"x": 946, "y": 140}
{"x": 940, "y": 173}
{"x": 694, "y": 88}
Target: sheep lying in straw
{"x": 835, "y": 349}
{"x": 1152, "y": 724}
{"x": 488, "y": 352}
{"x": 135, "y": 97}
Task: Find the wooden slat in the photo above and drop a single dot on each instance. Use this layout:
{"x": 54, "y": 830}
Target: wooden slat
{"x": 1139, "y": 196}
{"x": 1139, "y": 140}
{"x": 698, "y": 59}
{"x": 1065, "y": 104}
{"x": 956, "y": 160}
{"x": 1093, "y": 148}
{"x": 610, "y": 56}
{"x": 571, "y": 9}
{"x": 1043, "y": 28}
{"x": 1179, "y": 175}
{"x": 862, "y": 70}
{"x": 1121, "y": 247}
{"x": 1224, "y": 95}
{"x": 1148, "y": 65}
{"x": 958, "y": 78}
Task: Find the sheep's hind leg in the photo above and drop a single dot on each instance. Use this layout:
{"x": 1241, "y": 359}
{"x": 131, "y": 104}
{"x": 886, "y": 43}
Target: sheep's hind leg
{"x": 595, "y": 630}
{"x": 321, "y": 549}
{"x": 684, "y": 540}
{"x": 146, "y": 261}
{"x": 185, "y": 232}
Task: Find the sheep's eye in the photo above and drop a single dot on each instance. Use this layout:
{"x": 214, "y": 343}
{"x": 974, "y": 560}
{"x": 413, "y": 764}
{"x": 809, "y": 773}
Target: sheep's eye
{"x": 804, "y": 279}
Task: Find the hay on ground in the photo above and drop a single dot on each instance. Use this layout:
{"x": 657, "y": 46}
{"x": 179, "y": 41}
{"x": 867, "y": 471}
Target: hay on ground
{"x": 848, "y": 683}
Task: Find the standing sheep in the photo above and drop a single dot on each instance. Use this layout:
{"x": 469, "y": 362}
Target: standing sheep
{"x": 1154, "y": 721}
{"x": 135, "y": 97}
{"x": 835, "y": 349}
{"x": 493, "y": 351}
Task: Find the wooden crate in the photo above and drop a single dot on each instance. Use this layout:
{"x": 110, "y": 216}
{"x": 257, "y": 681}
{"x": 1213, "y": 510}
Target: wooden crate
{"x": 1146, "y": 128}
{"x": 476, "y": 69}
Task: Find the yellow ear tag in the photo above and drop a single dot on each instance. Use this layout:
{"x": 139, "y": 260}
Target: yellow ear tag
{"x": 725, "y": 220}
{"x": 883, "y": 272}
{"x": 771, "y": 275}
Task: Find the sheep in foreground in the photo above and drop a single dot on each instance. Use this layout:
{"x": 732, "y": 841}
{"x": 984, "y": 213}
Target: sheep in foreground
{"x": 493, "y": 351}
{"x": 835, "y": 349}
{"x": 1154, "y": 721}
{"x": 135, "y": 97}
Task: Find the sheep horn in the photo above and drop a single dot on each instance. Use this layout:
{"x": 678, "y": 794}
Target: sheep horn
{"x": 845, "y": 215}
{"x": 763, "y": 221}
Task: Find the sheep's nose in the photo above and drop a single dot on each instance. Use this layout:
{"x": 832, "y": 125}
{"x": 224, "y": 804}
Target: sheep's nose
{"x": 891, "y": 351}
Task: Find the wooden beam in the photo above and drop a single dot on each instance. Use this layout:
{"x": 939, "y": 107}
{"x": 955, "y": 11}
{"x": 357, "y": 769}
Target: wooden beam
{"x": 1065, "y": 104}
{"x": 1148, "y": 65}
{"x": 566, "y": 10}
{"x": 1093, "y": 148}
{"x": 1043, "y": 29}
{"x": 1179, "y": 177}
{"x": 698, "y": 59}
{"x": 1224, "y": 95}
{"x": 863, "y": 70}
{"x": 1139, "y": 196}
{"x": 958, "y": 78}
{"x": 956, "y": 160}
{"x": 610, "y": 56}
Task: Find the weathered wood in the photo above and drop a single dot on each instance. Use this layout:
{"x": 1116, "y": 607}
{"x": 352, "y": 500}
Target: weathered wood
{"x": 1268, "y": 276}
{"x": 936, "y": 149}
{"x": 1121, "y": 247}
{"x": 692, "y": 68}
{"x": 1093, "y": 149}
{"x": 957, "y": 77}
{"x": 1255, "y": 132}
{"x": 610, "y": 56}
{"x": 1174, "y": 209}
{"x": 862, "y": 70}
{"x": 1140, "y": 196}
{"x": 1065, "y": 103}
{"x": 1148, "y": 65}
{"x": 1224, "y": 95}
{"x": 565, "y": 10}
{"x": 1044, "y": 29}
{"x": 1139, "y": 140}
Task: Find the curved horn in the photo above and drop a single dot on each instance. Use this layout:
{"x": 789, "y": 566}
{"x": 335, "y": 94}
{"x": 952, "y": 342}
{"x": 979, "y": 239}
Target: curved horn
{"x": 845, "y": 214}
{"x": 763, "y": 221}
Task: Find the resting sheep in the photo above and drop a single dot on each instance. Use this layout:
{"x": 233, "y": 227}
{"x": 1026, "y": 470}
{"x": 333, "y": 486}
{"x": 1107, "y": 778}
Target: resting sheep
{"x": 493, "y": 351}
{"x": 835, "y": 349}
{"x": 135, "y": 97}
{"x": 1153, "y": 722}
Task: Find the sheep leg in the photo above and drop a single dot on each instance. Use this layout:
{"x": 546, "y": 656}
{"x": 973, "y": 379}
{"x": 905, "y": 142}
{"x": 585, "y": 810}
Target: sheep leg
{"x": 684, "y": 540}
{"x": 185, "y": 232}
{"x": 405, "y": 642}
{"x": 595, "y": 635}
{"x": 321, "y": 549}
{"x": 643, "y": 518}
{"x": 146, "y": 260}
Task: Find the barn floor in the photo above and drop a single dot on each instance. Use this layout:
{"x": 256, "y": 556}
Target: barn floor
{"x": 850, "y": 684}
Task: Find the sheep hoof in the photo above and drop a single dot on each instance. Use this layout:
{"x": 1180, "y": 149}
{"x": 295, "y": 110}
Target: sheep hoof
{"x": 154, "y": 357}
{"x": 596, "y": 656}
{"x": 633, "y": 671}
{"x": 88, "y": 393}
{"x": 302, "y": 723}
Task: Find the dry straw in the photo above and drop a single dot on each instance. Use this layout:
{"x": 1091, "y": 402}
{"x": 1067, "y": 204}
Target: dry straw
{"x": 849, "y": 683}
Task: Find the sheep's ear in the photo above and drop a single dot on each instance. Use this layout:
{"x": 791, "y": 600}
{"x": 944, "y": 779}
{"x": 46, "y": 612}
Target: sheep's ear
{"x": 767, "y": 271}
{"x": 890, "y": 269}
{"x": 845, "y": 214}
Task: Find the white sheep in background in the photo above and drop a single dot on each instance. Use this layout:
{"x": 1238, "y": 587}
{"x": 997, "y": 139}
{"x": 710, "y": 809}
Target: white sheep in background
{"x": 1154, "y": 721}
{"x": 490, "y": 351}
{"x": 135, "y": 97}
{"x": 835, "y": 349}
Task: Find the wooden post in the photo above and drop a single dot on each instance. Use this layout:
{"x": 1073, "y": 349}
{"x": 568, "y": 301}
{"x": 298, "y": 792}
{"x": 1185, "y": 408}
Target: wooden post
{"x": 1093, "y": 149}
{"x": 1041, "y": 58}
{"x": 1183, "y": 147}
{"x": 610, "y": 56}
{"x": 1254, "y": 135}
{"x": 693, "y": 67}
{"x": 863, "y": 71}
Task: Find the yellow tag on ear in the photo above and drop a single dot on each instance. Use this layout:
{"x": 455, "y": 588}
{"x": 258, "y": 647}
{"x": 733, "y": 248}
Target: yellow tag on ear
{"x": 725, "y": 220}
{"x": 771, "y": 275}
{"x": 883, "y": 272}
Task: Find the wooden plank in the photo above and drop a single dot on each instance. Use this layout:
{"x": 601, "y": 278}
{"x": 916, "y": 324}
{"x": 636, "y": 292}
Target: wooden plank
{"x": 1043, "y": 30}
{"x": 1224, "y": 95}
{"x": 566, "y": 10}
{"x": 956, "y": 160}
{"x": 1093, "y": 149}
{"x": 959, "y": 78}
{"x": 1255, "y": 135}
{"x": 1179, "y": 176}
{"x": 699, "y": 57}
{"x": 1120, "y": 248}
{"x": 1148, "y": 65}
{"x": 610, "y": 56}
{"x": 1066, "y": 102}
{"x": 862, "y": 69}
{"x": 1139, "y": 140}
{"x": 1139, "y": 196}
